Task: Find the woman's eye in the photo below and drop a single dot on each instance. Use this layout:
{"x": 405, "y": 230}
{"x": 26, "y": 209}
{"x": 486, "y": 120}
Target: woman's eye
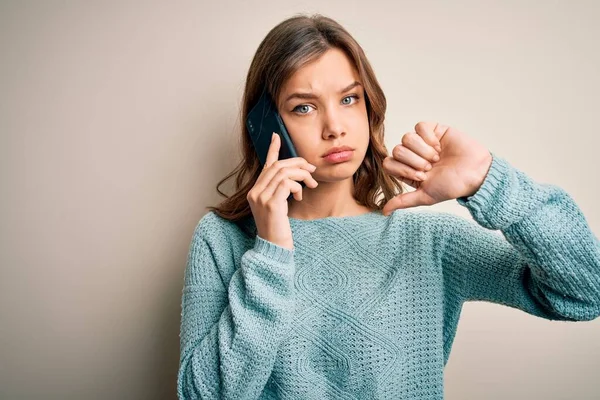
{"x": 355, "y": 97}
{"x": 302, "y": 109}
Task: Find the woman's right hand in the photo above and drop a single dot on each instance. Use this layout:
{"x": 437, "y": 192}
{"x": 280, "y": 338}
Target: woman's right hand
{"x": 268, "y": 197}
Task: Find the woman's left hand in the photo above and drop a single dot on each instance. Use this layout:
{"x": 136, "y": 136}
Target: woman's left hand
{"x": 459, "y": 170}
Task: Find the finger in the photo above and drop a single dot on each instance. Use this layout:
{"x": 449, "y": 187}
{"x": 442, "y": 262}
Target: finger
{"x": 295, "y": 174}
{"x": 295, "y": 162}
{"x": 291, "y": 163}
{"x": 285, "y": 188}
{"x": 417, "y": 144}
{"x": 410, "y": 182}
{"x": 273, "y": 153}
{"x": 406, "y": 156}
{"x": 401, "y": 170}
{"x": 426, "y": 131}
{"x": 439, "y": 131}
{"x": 406, "y": 200}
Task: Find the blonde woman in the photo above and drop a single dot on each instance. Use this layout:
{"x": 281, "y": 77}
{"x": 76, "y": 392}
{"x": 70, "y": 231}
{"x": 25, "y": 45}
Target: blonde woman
{"x": 341, "y": 290}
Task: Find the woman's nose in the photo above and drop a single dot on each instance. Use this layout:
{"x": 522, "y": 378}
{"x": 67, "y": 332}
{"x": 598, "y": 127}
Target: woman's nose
{"x": 333, "y": 123}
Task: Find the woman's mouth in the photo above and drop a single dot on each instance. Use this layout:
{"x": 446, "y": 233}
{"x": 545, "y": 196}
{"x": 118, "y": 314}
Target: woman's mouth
{"x": 340, "y": 156}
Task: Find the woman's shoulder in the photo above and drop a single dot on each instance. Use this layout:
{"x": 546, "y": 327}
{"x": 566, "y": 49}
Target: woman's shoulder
{"x": 212, "y": 226}
{"x": 438, "y": 222}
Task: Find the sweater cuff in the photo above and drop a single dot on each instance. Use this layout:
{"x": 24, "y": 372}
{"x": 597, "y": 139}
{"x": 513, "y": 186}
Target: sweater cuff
{"x": 273, "y": 251}
{"x": 488, "y": 206}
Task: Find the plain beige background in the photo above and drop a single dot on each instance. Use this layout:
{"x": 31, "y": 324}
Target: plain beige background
{"x": 117, "y": 120}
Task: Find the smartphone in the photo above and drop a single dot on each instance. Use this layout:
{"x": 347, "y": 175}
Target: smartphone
{"x": 263, "y": 119}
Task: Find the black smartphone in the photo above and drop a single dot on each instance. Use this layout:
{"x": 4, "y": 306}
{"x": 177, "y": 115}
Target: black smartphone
{"x": 263, "y": 119}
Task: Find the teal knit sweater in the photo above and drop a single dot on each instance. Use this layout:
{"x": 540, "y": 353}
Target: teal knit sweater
{"x": 367, "y": 306}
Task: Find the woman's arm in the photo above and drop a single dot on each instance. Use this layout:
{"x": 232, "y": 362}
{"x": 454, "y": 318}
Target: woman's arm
{"x": 230, "y": 334}
{"x": 544, "y": 260}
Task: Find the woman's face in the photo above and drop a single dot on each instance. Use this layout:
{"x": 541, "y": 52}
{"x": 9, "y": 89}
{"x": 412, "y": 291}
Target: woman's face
{"x": 323, "y": 106}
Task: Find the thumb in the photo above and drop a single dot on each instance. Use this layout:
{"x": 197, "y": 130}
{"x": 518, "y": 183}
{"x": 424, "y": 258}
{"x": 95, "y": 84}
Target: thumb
{"x": 406, "y": 200}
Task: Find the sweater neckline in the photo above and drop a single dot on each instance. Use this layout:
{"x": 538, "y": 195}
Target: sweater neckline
{"x": 337, "y": 218}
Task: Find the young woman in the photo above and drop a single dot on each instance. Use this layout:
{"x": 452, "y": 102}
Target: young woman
{"x": 341, "y": 291}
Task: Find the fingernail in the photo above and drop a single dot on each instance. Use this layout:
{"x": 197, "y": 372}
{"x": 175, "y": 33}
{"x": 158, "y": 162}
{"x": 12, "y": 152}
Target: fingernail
{"x": 421, "y": 175}
{"x": 273, "y": 137}
{"x": 427, "y": 167}
{"x": 313, "y": 167}
{"x": 438, "y": 148}
{"x": 436, "y": 158}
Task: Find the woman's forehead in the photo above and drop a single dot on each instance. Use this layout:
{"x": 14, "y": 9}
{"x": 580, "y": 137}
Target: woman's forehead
{"x": 331, "y": 72}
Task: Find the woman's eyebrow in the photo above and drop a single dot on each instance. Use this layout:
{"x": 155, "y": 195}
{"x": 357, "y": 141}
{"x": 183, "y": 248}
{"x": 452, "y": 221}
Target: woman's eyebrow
{"x": 299, "y": 95}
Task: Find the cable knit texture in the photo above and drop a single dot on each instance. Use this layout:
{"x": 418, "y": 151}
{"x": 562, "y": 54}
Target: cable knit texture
{"x": 366, "y": 307}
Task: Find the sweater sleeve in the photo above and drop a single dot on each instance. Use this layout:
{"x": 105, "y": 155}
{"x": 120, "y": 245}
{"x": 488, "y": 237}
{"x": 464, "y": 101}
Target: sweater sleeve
{"x": 230, "y": 332}
{"x": 530, "y": 248}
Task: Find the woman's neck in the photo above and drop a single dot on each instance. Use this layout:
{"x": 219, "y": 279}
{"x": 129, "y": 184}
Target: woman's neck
{"x": 329, "y": 199}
